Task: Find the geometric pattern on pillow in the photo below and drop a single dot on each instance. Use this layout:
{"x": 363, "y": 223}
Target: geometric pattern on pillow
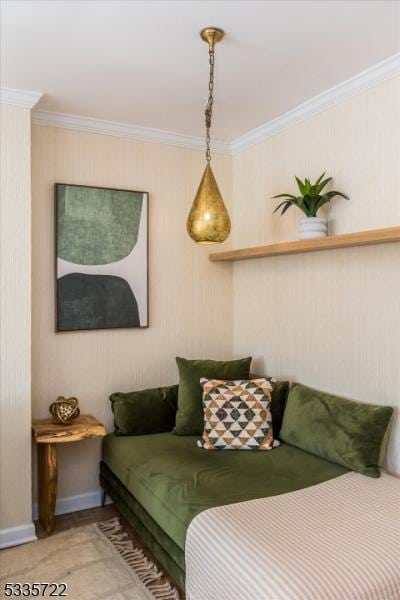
{"x": 237, "y": 415}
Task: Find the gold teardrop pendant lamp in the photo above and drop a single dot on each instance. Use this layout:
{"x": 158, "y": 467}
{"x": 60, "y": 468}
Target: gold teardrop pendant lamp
{"x": 208, "y": 221}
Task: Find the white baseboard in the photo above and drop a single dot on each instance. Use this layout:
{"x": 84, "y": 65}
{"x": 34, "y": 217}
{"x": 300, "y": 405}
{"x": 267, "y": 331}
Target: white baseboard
{"x": 26, "y": 533}
{"x": 70, "y": 504}
{"x": 17, "y": 535}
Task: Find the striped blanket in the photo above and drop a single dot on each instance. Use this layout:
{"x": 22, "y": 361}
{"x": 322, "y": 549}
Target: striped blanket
{"x": 336, "y": 540}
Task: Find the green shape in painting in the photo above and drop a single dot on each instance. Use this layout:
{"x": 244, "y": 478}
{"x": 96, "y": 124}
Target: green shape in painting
{"x": 96, "y": 226}
{"x": 95, "y": 302}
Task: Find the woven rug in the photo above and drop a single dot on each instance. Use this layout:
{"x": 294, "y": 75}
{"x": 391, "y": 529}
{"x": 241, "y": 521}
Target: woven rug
{"x": 95, "y": 561}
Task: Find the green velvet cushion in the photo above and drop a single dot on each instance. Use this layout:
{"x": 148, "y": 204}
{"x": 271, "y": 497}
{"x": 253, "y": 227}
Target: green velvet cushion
{"x": 280, "y": 390}
{"x": 343, "y": 431}
{"x": 158, "y": 542}
{"x": 189, "y": 417}
{"x": 147, "y": 411}
{"x": 174, "y": 480}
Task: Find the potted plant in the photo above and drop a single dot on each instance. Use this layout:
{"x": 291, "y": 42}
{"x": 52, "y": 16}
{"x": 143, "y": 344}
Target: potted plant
{"x": 309, "y": 202}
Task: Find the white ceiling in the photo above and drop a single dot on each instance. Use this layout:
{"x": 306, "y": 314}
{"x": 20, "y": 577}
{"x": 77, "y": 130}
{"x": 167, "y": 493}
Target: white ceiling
{"x": 143, "y": 63}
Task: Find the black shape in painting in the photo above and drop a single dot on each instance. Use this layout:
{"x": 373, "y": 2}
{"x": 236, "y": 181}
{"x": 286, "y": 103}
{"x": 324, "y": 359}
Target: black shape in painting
{"x": 95, "y": 302}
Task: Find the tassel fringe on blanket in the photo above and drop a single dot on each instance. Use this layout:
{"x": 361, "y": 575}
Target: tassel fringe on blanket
{"x": 146, "y": 571}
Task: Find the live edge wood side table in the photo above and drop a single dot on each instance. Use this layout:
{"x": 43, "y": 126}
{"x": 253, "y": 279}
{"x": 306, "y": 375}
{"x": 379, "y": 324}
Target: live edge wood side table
{"x": 47, "y": 435}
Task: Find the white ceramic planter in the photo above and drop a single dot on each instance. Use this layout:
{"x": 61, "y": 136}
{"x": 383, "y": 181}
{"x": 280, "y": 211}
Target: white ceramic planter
{"x": 312, "y": 228}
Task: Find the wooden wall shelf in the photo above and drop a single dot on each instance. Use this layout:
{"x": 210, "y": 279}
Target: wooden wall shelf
{"x": 346, "y": 240}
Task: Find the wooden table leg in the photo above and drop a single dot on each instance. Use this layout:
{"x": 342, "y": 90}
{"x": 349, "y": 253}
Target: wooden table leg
{"x": 47, "y": 472}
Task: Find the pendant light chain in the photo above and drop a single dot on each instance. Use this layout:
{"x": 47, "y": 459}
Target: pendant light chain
{"x": 209, "y": 107}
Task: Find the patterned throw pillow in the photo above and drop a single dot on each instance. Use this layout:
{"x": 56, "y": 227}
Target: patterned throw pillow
{"x": 237, "y": 415}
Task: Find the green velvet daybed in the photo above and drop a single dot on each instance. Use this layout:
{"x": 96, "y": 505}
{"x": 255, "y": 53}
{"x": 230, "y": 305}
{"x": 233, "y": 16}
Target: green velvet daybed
{"x": 161, "y": 482}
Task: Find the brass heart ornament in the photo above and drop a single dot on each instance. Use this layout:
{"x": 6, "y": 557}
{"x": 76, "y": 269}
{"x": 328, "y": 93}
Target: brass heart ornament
{"x": 64, "y": 410}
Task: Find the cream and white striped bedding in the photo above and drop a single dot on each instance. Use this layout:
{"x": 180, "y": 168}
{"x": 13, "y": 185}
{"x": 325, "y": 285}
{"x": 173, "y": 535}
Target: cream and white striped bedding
{"x": 336, "y": 540}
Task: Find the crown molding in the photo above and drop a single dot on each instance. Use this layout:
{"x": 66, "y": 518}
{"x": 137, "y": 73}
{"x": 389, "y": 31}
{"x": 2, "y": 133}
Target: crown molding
{"x": 23, "y": 98}
{"x": 144, "y": 134}
{"x": 346, "y": 89}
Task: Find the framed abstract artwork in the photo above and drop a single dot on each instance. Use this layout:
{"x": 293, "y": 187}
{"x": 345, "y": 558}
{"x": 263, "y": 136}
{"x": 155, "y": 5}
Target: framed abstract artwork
{"x": 101, "y": 240}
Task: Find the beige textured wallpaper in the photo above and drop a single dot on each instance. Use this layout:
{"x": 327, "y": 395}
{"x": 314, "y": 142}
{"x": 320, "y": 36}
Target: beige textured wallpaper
{"x": 330, "y": 319}
{"x": 15, "y": 319}
{"x": 190, "y": 298}
{"x": 327, "y": 319}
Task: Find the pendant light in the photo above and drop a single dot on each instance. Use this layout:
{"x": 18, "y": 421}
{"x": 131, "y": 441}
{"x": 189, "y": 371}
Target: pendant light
{"x": 208, "y": 221}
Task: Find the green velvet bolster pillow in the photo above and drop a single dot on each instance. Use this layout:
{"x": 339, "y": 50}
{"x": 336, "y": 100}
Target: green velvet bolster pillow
{"x": 144, "y": 412}
{"x": 189, "y": 418}
{"x": 343, "y": 431}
